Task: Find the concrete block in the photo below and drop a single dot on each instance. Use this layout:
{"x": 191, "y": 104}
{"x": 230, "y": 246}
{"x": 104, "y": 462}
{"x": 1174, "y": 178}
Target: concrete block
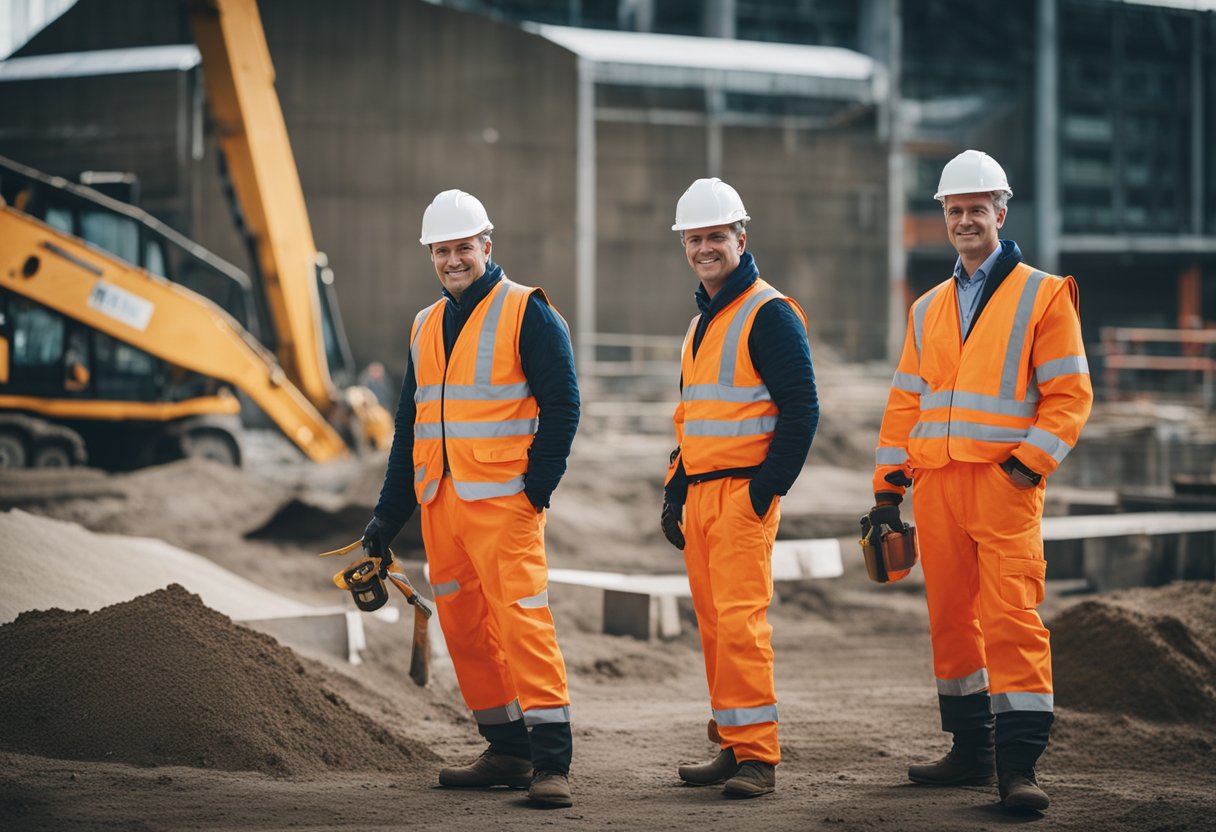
{"x": 332, "y": 630}
{"x": 641, "y": 615}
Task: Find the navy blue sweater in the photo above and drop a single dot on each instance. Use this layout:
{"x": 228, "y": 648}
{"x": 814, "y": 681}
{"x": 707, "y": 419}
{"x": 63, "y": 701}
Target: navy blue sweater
{"x": 548, "y": 364}
{"x": 782, "y": 358}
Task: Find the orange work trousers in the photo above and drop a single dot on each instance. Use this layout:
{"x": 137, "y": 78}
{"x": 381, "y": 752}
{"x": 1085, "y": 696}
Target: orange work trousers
{"x": 728, "y": 552}
{"x": 489, "y": 577}
{"x": 981, "y": 548}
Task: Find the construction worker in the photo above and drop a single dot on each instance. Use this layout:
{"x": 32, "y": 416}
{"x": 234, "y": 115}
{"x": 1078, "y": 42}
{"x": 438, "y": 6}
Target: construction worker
{"x": 991, "y": 393}
{"x": 747, "y": 414}
{"x": 487, "y": 413}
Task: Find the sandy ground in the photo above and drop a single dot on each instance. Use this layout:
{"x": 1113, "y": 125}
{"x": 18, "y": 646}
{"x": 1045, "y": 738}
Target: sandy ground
{"x": 344, "y": 747}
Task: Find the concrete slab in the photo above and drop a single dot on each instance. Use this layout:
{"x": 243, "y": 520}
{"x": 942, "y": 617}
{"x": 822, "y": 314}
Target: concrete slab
{"x": 91, "y": 571}
{"x": 647, "y": 606}
{"x": 1123, "y": 525}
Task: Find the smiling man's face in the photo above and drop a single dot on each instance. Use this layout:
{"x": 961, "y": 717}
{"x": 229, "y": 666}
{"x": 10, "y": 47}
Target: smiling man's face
{"x": 460, "y": 262}
{"x": 713, "y": 253}
{"x": 972, "y": 222}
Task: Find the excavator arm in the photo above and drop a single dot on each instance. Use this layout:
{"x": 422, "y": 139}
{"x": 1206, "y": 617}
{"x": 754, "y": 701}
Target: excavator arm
{"x": 161, "y": 318}
{"x": 239, "y": 79}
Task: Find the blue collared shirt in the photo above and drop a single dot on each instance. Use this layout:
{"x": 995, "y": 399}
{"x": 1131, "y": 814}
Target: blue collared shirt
{"x": 970, "y": 288}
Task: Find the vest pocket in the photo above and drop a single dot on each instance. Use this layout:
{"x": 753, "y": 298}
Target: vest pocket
{"x": 500, "y": 454}
{"x": 1022, "y": 581}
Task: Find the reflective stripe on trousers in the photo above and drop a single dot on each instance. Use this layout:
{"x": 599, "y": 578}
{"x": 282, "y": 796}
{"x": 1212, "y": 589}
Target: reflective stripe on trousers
{"x": 489, "y": 574}
{"x": 983, "y": 583}
{"x": 728, "y": 553}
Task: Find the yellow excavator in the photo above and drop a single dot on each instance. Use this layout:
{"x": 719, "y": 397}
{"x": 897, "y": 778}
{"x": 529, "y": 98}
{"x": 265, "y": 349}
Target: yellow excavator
{"x": 124, "y": 344}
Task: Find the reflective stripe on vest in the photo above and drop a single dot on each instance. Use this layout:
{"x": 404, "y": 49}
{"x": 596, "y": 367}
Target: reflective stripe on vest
{"x": 725, "y": 390}
{"x": 728, "y": 415}
{"x": 1005, "y": 403}
{"x": 480, "y": 428}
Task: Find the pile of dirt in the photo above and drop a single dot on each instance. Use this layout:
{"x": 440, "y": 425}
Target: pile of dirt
{"x": 1144, "y": 653}
{"x": 165, "y": 680}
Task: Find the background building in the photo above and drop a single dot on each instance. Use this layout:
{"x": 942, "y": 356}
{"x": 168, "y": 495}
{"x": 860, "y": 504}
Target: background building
{"x": 579, "y": 122}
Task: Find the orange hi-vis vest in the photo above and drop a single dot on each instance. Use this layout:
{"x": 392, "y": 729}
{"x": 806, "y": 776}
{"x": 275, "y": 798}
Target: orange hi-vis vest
{"x": 476, "y": 405}
{"x": 726, "y": 417}
{"x": 1019, "y": 385}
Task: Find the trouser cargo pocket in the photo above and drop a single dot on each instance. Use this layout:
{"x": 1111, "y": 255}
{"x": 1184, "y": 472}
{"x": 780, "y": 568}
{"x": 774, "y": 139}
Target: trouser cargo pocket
{"x": 1022, "y": 581}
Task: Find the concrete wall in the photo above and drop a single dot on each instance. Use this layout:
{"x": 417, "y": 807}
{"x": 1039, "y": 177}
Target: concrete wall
{"x": 817, "y": 201}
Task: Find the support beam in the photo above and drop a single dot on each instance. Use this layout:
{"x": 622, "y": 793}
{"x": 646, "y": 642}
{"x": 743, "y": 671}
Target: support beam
{"x": 585, "y": 185}
{"x": 1198, "y": 150}
{"x": 1046, "y": 140}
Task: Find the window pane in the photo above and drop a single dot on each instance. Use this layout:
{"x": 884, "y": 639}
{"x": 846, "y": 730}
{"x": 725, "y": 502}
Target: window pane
{"x": 117, "y": 235}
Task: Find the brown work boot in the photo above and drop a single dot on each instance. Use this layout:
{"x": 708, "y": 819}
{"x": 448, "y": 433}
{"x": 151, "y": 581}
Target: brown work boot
{"x": 753, "y": 779}
{"x": 489, "y": 769}
{"x": 718, "y": 770}
{"x": 971, "y": 762}
{"x": 1020, "y": 790}
{"x": 550, "y": 788}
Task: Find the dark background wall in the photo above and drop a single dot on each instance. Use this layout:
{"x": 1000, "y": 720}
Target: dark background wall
{"x": 388, "y": 102}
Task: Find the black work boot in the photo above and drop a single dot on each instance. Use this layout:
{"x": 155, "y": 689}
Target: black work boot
{"x": 490, "y": 769}
{"x": 551, "y": 788}
{"x": 1021, "y": 737}
{"x": 753, "y": 779}
{"x": 1020, "y": 790}
{"x": 718, "y": 770}
{"x": 970, "y": 762}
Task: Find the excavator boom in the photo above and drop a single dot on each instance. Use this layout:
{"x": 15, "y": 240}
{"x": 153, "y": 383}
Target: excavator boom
{"x": 239, "y": 79}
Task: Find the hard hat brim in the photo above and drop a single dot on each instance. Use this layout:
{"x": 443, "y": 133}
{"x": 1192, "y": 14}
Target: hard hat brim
{"x": 456, "y": 235}
{"x": 940, "y": 195}
{"x": 688, "y": 226}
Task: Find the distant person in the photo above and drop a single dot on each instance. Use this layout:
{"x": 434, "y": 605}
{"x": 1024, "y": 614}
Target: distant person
{"x": 487, "y": 414}
{"x": 375, "y": 378}
{"x": 745, "y": 421}
{"x": 991, "y": 393}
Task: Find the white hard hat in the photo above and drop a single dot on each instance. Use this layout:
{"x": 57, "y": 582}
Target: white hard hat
{"x": 454, "y": 215}
{"x": 972, "y": 172}
{"x": 709, "y": 202}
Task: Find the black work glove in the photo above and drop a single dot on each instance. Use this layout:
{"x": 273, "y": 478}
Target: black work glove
{"x": 376, "y": 539}
{"x": 886, "y": 514}
{"x": 1021, "y": 474}
{"x": 670, "y": 521}
{"x": 899, "y": 478}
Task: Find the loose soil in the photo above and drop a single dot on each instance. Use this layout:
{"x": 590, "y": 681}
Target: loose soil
{"x": 161, "y": 714}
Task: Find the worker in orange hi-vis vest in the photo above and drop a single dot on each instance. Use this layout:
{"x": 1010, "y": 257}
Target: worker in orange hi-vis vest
{"x": 747, "y": 414}
{"x": 487, "y": 414}
{"x": 991, "y": 393}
